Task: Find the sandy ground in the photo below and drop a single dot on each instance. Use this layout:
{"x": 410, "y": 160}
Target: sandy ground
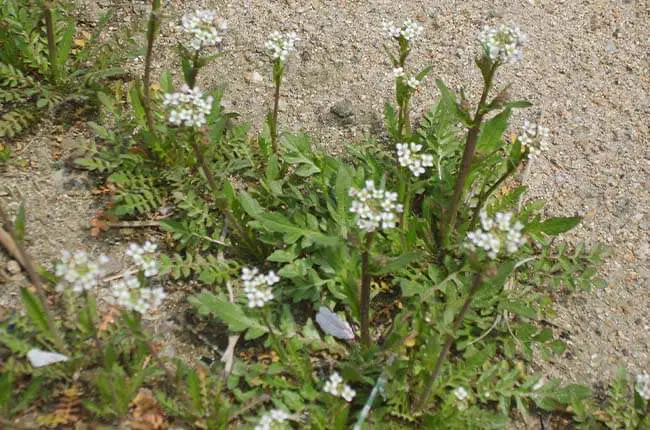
{"x": 586, "y": 69}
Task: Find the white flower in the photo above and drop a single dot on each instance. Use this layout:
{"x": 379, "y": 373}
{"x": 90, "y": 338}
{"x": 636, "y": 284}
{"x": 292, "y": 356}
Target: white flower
{"x": 409, "y": 156}
{"x": 188, "y": 107}
{"x": 129, "y": 294}
{"x": 398, "y": 72}
{"x": 496, "y": 232}
{"x": 410, "y": 30}
{"x": 203, "y": 28}
{"x": 275, "y": 416}
{"x": 257, "y": 287}
{"x": 533, "y": 137}
{"x": 375, "y": 208}
{"x": 150, "y": 268}
{"x": 335, "y": 387}
{"x": 348, "y": 393}
{"x": 279, "y": 46}
{"x": 460, "y": 393}
{"x": 503, "y": 43}
{"x": 149, "y": 247}
{"x": 642, "y": 385}
{"x": 412, "y": 83}
{"x": 142, "y": 258}
{"x": 78, "y": 273}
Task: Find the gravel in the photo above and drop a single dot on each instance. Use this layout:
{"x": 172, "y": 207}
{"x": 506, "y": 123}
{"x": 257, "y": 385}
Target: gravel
{"x": 585, "y": 68}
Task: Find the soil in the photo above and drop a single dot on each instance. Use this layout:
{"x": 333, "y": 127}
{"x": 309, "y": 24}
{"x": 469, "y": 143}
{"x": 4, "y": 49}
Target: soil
{"x": 585, "y": 68}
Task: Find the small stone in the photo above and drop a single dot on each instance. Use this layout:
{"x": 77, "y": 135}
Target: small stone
{"x": 282, "y": 106}
{"x": 496, "y": 12}
{"x": 253, "y": 78}
{"x": 611, "y": 48}
{"x": 13, "y": 267}
{"x": 343, "y": 109}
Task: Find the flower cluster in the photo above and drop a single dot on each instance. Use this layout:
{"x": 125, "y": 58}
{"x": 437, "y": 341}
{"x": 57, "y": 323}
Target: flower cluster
{"x": 642, "y": 385}
{"x": 257, "y": 286}
{"x": 461, "y": 393}
{"x": 503, "y": 43}
{"x": 275, "y": 416}
{"x": 410, "y": 30}
{"x": 188, "y": 107}
{"x": 335, "y": 387}
{"x": 412, "y": 83}
{"x": 142, "y": 258}
{"x": 279, "y": 46}
{"x": 203, "y": 28}
{"x": 375, "y": 207}
{"x": 533, "y": 137}
{"x": 496, "y": 232}
{"x": 409, "y": 156}
{"x": 131, "y": 295}
{"x": 78, "y": 273}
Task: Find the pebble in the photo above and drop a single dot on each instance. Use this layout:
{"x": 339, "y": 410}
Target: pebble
{"x": 343, "y": 109}
{"x": 13, "y": 267}
{"x": 253, "y": 78}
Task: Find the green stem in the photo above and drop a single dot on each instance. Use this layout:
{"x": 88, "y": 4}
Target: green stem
{"x": 484, "y": 196}
{"x": 274, "y": 338}
{"x": 151, "y": 37}
{"x": 468, "y": 154}
{"x": 364, "y": 296}
{"x": 50, "y": 25}
{"x": 449, "y": 339}
{"x": 154, "y": 354}
{"x": 191, "y": 82}
{"x": 277, "y": 78}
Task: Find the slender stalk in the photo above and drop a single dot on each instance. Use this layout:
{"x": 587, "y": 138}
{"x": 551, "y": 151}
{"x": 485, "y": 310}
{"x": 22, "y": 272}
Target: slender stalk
{"x": 274, "y": 337}
{"x": 364, "y": 296}
{"x": 154, "y": 22}
{"x": 154, "y": 353}
{"x": 36, "y": 280}
{"x": 50, "y": 25}
{"x": 484, "y": 196}
{"x": 215, "y": 190}
{"x": 468, "y": 154}
{"x": 273, "y": 125}
{"x": 449, "y": 339}
{"x": 195, "y": 71}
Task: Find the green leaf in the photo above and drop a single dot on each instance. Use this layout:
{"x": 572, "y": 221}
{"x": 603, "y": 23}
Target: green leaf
{"x": 19, "y": 223}
{"x": 390, "y": 120}
{"x": 449, "y": 99}
{"x": 136, "y": 102}
{"x": 553, "y": 226}
{"x": 250, "y": 205}
{"x": 278, "y": 223}
{"x": 230, "y": 313}
{"x": 194, "y": 389}
{"x": 35, "y": 311}
{"x": 283, "y": 256}
{"x": 518, "y": 104}
{"x": 29, "y": 394}
{"x": 64, "y": 46}
{"x": 520, "y": 309}
{"x": 187, "y": 69}
{"x": 6, "y": 382}
{"x": 398, "y": 263}
{"x": 492, "y": 130}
